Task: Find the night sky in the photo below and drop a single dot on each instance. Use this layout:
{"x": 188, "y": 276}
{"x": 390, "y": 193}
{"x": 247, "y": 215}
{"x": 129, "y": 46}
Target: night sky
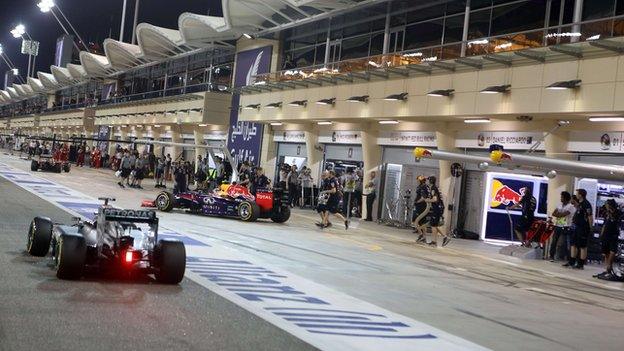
{"x": 95, "y": 20}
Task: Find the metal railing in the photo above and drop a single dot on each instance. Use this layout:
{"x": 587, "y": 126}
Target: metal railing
{"x": 537, "y": 38}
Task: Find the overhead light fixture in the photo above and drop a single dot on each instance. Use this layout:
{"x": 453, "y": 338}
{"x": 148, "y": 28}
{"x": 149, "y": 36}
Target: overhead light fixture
{"x": 606, "y": 119}
{"x": 248, "y": 36}
{"x": 157, "y": 125}
{"x": 324, "y": 123}
{"x": 252, "y": 107}
{"x": 566, "y": 84}
{"x": 203, "y": 125}
{"x": 497, "y": 89}
{"x": 389, "y": 122}
{"x": 276, "y": 123}
{"x": 396, "y": 97}
{"x": 274, "y": 105}
{"x": 331, "y": 101}
{"x": 299, "y": 103}
{"x": 363, "y": 99}
{"x": 477, "y": 120}
{"x": 442, "y": 92}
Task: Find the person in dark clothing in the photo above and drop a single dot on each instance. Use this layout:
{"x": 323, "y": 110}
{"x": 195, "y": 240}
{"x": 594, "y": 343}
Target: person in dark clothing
{"x": 436, "y": 213}
{"x": 260, "y": 181}
{"x": 609, "y": 237}
{"x": 331, "y": 197}
{"x": 180, "y": 175}
{"x": 583, "y": 221}
{"x": 244, "y": 175}
{"x": 421, "y": 208}
{"x": 527, "y": 204}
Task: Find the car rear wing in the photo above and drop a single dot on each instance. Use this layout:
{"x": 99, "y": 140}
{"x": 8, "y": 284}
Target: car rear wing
{"x": 133, "y": 216}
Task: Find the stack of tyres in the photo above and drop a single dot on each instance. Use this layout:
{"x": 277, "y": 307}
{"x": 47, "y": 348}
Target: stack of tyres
{"x": 594, "y": 248}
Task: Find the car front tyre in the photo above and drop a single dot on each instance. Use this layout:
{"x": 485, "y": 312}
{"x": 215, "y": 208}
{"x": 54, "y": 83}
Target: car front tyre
{"x": 170, "y": 260}
{"x": 34, "y": 166}
{"x": 164, "y": 201}
{"x": 39, "y": 236}
{"x": 71, "y": 253}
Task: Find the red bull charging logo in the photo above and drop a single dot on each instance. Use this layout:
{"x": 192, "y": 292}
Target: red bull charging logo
{"x": 503, "y": 194}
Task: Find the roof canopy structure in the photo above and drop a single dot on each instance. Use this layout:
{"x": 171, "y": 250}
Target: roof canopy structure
{"x": 255, "y": 17}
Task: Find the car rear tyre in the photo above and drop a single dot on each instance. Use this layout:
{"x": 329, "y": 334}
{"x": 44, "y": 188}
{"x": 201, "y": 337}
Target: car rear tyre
{"x": 165, "y": 201}
{"x": 170, "y": 259}
{"x": 248, "y": 211}
{"x": 71, "y": 253}
{"x": 66, "y": 168}
{"x": 282, "y": 216}
{"x": 39, "y": 236}
{"x": 58, "y": 168}
{"x": 34, "y": 166}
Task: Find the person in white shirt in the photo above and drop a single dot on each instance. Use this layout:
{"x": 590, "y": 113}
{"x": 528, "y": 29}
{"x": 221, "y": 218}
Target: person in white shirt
{"x": 563, "y": 223}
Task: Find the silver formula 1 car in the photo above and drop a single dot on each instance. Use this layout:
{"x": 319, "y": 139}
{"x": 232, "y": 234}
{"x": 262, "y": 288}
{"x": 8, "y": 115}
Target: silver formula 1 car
{"x": 120, "y": 240}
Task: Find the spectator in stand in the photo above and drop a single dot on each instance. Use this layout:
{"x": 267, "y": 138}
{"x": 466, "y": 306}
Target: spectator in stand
{"x": 609, "y": 237}
{"x": 563, "y": 223}
{"x": 292, "y": 186}
{"x": 583, "y": 221}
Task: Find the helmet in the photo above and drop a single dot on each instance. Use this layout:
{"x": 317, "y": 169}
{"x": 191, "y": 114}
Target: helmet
{"x": 432, "y": 179}
{"x": 421, "y": 178}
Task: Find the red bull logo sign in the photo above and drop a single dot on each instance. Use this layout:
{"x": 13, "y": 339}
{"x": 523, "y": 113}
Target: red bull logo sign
{"x": 502, "y": 194}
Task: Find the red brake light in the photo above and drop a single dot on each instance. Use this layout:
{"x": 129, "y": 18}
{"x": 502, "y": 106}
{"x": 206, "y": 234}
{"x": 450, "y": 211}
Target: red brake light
{"x": 129, "y": 256}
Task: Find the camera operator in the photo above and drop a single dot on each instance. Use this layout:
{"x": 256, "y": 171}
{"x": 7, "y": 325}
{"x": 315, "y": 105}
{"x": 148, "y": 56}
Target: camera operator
{"x": 609, "y": 237}
{"x": 563, "y": 220}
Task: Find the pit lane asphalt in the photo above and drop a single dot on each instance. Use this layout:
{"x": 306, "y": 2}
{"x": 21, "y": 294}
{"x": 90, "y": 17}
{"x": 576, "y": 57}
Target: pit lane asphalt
{"x": 40, "y": 312}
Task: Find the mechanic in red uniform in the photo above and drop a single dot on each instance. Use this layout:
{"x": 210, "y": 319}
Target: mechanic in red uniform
{"x": 97, "y": 158}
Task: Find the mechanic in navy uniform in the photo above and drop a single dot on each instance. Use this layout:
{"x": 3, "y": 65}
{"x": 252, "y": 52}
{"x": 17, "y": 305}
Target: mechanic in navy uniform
{"x": 583, "y": 221}
{"x": 527, "y": 204}
{"x": 419, "y": 216}
{"x": 244, "y": 175}
{"x": 330, "y": 186}
{"x": 260, "y": 181}
{"x": 609, "y": 237}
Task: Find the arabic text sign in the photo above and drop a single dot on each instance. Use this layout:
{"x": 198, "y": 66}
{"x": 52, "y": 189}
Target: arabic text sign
{"x": 245, "y": 138}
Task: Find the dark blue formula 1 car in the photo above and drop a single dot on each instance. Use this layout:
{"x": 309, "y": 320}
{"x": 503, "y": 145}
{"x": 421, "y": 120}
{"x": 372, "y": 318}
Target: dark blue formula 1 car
{"x": 232, "y": 201}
